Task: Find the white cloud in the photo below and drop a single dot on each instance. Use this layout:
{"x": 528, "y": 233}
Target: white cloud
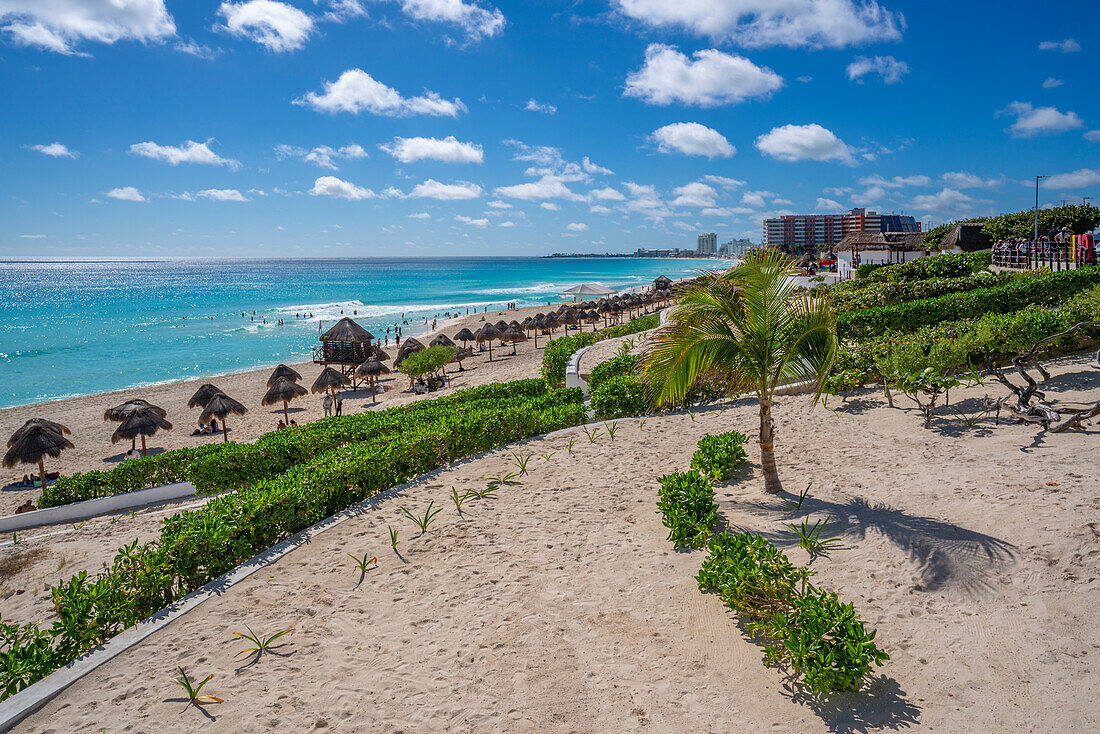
{"x": 1067, "y": 46}
{"x": 1052, "y": 83}
{"x": 1093, "y": 136}
{"x": 196, "y": 49}
{"x": 547, "y": 187}
{"x": 506, "y": 224}
{"x": 577, "y": 227}
{"x": 716, "y": 212}
{"x": 323, "y": 155}
{"x": 1078, "y": 179}
{"x": 710, "y": 79}
{"x": 32, "y": 236}
{"x": 755, "y": 198}
{"x": 357, "y": 91}
{"x": 1034, "y": 121}
{"x": 723, "y": 181}
{"x": 645, "y": 200}
{"x": 599, "y": 209}
{"x": 804, "y": 143}
{"x": 420, "y": 215}
{"x": 340, "y": 189}
{"x": 828, "y": 205}
{"x": 606, "y": 194}
{"x": 56, "y": 25}
{"x": 695, "y": 194}
{"x": 805, "y": 79}
{"x": 968, "y": 180}
{"x": 897, "y": 182}
{"x": 549, "y": 206}
{"x": 221, "y": 195}
{"x": 592, "y": 168}
{"x": 691, "y": 138}
{"x": 54, "y": 150}
{"x": 887, "y": 67}
{"x": 432, "y": 189}
{"x": 341, "y": 11}
{"x": 498, "y": 204}
{"x": 794, "y": 23}
{"x": 447, "y": 150}
{"x": 947, "y": 203}
{"x": 477, "y": 22}
{"x": 189, "y": 152}
{"x": 472, "y": 222}
{"x": 126, "y": 193}
{"x": 870, "y": 197}
{"x": 278, "y": 26}
{"x": 535, "y": 106}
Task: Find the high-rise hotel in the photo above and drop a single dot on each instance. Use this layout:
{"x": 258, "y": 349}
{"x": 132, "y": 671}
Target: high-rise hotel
{"x": 802, "y": 233}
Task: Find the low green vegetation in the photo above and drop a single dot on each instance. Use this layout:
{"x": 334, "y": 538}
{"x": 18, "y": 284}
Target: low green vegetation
{"x": 623, "y": 363}
{"x": 428, "y": 361}
{"x": 688, "y": 510}
{"x": 717, "y": 456}
{"x": 1078, "y": 217}
{"x": 556, "y": 355}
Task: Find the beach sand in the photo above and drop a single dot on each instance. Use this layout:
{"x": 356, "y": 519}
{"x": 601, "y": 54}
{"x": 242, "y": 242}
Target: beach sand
{"x": 91, "y": 435}
{"x": 561, "y": 607}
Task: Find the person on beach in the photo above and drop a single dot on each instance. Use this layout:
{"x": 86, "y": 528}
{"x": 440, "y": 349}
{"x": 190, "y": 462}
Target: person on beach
{"x": 280, "y": 425}
{"x": 326, "y": 403}
{"x": 339, "y": 404}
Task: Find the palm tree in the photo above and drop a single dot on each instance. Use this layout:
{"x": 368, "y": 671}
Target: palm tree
{"x": 751, "y": 328}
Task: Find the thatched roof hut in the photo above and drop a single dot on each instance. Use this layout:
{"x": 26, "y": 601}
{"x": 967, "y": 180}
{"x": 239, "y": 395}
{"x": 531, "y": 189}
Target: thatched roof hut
{"x": 966, "y": 237}
{"x": 346, "y": 343}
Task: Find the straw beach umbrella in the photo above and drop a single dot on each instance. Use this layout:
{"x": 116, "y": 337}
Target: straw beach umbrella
{"x": 202, "y": 396}
{"x": 372, "y": 369}
{"x": 143, "y": 421}
{"x": 464, "y": 336}
{"x": 329, "y": 380}
{"x": 379, "y": 353}
{"x": 282, "y": 372}
{"x": 120, "y": 413}
{"x": 221, "y": 405}
{"x": 283, "y": 391}
{"x": 486, "y": 334}
{"x": 443, "y": 340}
{"x": 34, "y": 441}
{"x": 461, "y": 354}
{"x": 515, "y": 336}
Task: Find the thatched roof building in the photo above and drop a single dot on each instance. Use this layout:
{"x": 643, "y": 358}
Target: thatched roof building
{"x": 895, "y": 241}
{"x": 347, "y": 344}
{"x": 966, "y": 237}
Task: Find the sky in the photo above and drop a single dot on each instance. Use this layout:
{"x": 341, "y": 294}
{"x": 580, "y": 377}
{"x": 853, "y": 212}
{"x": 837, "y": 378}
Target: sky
{"x": 297, "y": 128}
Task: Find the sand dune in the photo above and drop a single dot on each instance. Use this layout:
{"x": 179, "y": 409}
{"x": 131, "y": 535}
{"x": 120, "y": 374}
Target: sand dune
{"x": 560, "y": 607}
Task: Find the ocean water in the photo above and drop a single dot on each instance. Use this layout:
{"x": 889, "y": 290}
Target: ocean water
{"x": 71, "y": 328}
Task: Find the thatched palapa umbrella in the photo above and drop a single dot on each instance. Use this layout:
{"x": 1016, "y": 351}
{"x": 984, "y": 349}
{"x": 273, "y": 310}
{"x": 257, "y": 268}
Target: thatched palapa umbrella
{"x": 515, "y": 336}
{"x": 202, "y": 396}
{"x": 120, "y": 413}
{"x": 221, "y": 405}
{"x": 34, "y": 441}
{"x": 329, "y": 380}
{"x": 283, "y": 391}
{"x": 465, "y": 335}
{"x": 441, "y": 340}
{"x": 282, "y": 372}
{"x": 142, "y": 421}
{"x": 486, "y": 334}
{"x": 461, "y": 354}
{"x": 409, "y": 346}
{"x": 551, "y": 322}
{"x": 372, "y": 369}
{"x": 379, "y": 353}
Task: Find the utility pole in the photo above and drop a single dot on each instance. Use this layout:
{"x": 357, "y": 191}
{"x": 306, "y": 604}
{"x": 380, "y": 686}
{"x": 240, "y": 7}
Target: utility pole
{"x": 1037, "y": 206}
{"x": 1085, "y": 200}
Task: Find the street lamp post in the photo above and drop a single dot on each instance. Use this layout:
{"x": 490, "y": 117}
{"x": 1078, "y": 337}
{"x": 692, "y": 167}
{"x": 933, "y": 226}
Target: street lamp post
{"x": 1037, "y": 206}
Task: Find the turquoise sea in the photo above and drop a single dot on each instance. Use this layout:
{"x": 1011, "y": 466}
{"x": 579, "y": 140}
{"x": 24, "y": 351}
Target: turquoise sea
{"x": 73, "y": 328}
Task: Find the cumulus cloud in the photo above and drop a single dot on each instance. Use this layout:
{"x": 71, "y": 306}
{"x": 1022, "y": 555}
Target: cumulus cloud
{"x": 1067, "y": 46}
{"x": 897, "y": 182}
{"x": 804, "y": 143}
{"x": 55, "y": 150}
{"x": 691, "y": 138}
{"x": 534, "y": 105}
{"x": 946, "y": 203}
{"x": 1093, "y": 136}
{"x": 432, "y": 189}
{"x": 126, "y": 193}
{"x": 889, "y": 69}
{"x": 340, "y": 189}
{"x": 606, "y": 194}
{"x": 549, "y": 206}
{"x": 599, "y": 209}
{"x": 323, "y": 155}
{"x": 695, "y": 194}
{"x": 577, "y": 227}
{"x": 755, "y": 198}
{"x": 506, "y": 224}
{"x": 724, "y": 181}
{"x": 58, "y": 25}
{"x": 221, "y": 195}
{"x": 498, "y": 204}
{"x": 447, "y": 150}
{"x": 277, "y": 26}
{"x": 759, "y": 23}
{"x": 968, "y": 180}
{"x": 189, "y": 152}
{"x": 357, "y": 91}
{"x": 1078, "y": 179}
{"x": 644, "y": 199}
{"x": 595, "y": 170}
{"x": 1052, "y": 83}
{"x": 547, "y": 187}
{"x": 420, "y": 215}
{"x": 1035, "y": 121}
{"x": 828, "y": 205}
{"x": 709, "y": 79}
{"x": 472, "y": 222}
{"x": 32, "y": 236}
{"x": 475, "y": 21}
{"x": 198, "y": 50}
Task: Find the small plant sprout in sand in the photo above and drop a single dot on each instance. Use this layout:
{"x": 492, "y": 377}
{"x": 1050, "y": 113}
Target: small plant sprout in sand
{"x": 570, "y": 445}
{"x": 364, "y": 564}
{"x": 641, "y": 424}
{"x": 612, "y": 429}
{"x": 521, "y": 462}
{"x": 489, "y": 493}
{"x": 547, "y": 457}
{"x": 809, "y": 537}
{"x": 458, "y": 499}
{"x": 262, "y": 644}
{"x": 793, "y": 505}
{"x": 393, "y": 537}
{"x": 15, "y": 539}
{"x": 192, "y": 689}
{"x": 502, "y": 480}
{"x": 592, "y": 435}
{"x": 423, "y": 521}
{"x": 691, "y": 415}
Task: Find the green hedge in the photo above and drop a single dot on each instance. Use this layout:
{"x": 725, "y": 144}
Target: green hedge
{"x": 946, "y": 265}
{"x": 619, "y": 365}
{"x": 221, "y": 466}
{"x": 865, "y": 269}
{"x": 821, "y": 639}
{"x": 688, "y": 509}
{"x": 717, "y": 456}
{"x": 199, "y": 545}
{"x": 892, "y": 293}
{"x": 621, "y": 397}
{"x": 558, "y": 351}
{"x": 1047, "y": 289}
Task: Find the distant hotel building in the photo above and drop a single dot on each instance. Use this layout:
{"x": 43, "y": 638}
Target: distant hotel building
{"x": 802, "y": 233}
{"x": 708, "y": 244}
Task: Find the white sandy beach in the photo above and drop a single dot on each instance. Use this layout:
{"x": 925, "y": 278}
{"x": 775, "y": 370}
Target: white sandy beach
{"x": 560, "y": 606}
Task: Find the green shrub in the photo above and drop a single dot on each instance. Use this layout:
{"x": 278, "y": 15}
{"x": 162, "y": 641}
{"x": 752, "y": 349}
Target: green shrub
{"x": 865, "y": 269}
{"x": 621, "y": 397}
{"x": 890, "y": 293}
{"x": 624, "y": 363}
{"x": 821, "y": 639}
{"x": 556, "y": 355}
{"x": 717, "y": 456}
{"x": 688, "y": 510}
{"x": 946, "y": 265}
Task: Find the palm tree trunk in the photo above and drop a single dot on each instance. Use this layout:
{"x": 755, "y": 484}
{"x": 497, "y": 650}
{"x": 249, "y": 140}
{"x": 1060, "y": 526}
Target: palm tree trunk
{"x": 772, "y": 484}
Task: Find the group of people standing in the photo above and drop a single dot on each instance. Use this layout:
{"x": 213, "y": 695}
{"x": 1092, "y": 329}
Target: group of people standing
{"x": 1062, "y": 245}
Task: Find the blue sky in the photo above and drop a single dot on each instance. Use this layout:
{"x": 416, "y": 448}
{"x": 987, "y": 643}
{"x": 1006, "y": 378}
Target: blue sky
{"x": 470, "y": 127}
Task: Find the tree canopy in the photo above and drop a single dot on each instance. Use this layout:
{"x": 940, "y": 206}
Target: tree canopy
{"x": 1078, "y": 217}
